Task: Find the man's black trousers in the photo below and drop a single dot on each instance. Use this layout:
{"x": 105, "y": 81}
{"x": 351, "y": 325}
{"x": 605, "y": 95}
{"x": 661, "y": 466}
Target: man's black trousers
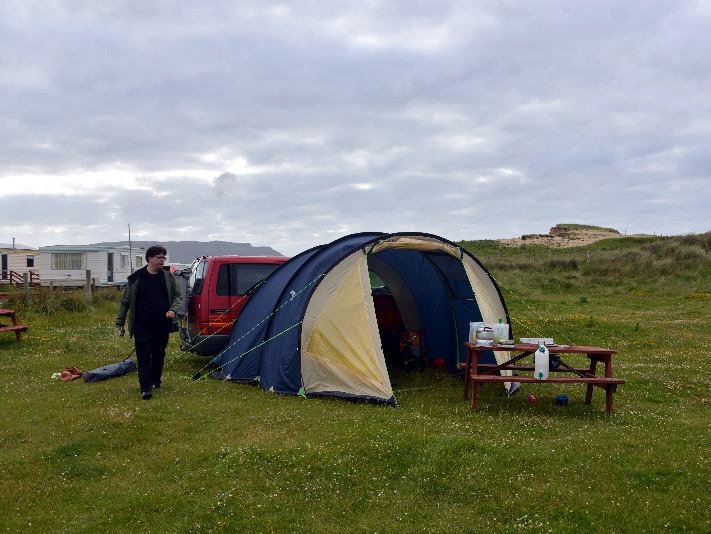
{"x": 150, "y": 353}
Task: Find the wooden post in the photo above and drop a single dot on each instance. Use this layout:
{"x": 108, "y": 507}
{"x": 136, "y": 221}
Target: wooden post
{"x": 26, "y": 284}
{"x": 587, "y": 256}
{"x": 88, "y": 293}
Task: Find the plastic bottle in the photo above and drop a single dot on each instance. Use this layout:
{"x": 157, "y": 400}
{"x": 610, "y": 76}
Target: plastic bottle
{"x": 501, "y": 331}
{"x": 541, "y": 363}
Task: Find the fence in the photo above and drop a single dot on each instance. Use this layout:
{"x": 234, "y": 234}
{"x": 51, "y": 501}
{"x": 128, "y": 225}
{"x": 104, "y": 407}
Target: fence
{"x": 32, "y": 289}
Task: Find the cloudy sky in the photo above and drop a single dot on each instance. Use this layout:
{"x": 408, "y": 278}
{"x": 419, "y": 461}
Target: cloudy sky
{"x": 291, "y": 124}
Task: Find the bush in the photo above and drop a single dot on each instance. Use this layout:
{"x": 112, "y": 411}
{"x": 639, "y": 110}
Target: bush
{"x": 73, "y": 303}
{"x": 693, "y": 247}
{"x": 563, "y": 264}
{"x": 47, "y": 302}
{"x": 690, "y": 254}
{"x": 699, "y": 240}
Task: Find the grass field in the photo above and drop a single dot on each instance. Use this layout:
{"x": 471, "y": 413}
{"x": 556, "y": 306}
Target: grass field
{"x": 219, "y": 456}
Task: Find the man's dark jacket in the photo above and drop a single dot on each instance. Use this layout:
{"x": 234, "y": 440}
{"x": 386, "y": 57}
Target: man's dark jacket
{"x": 128, "y": 301}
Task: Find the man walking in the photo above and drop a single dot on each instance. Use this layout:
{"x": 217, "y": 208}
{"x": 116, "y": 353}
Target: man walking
{"x": 151, "y": 300}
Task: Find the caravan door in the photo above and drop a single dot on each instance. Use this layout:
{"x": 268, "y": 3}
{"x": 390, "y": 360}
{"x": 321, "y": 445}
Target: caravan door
{"x": 109, "y": 267}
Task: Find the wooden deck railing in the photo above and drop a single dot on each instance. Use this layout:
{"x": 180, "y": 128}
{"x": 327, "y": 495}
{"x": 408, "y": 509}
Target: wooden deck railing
{"x": 13, "y": 277}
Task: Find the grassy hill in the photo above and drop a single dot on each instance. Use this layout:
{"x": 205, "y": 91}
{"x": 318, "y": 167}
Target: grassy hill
{"x": 563, "y": 227}
{"x": 624, "y": 260}
{"x": 225, "y": 457}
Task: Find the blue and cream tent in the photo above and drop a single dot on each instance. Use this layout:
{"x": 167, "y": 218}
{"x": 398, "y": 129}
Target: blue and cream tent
{"x": 311, "y": 327}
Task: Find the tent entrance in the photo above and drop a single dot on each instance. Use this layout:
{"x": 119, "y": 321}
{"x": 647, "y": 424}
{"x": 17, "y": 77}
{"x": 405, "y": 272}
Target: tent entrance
{"x": 435, "y": 300}
{"x": 390, "y": 323}
{"x": 401, "y": 339}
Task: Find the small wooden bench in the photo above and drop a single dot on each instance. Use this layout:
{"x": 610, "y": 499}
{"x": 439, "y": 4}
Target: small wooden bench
{"x": 18, "y": 329}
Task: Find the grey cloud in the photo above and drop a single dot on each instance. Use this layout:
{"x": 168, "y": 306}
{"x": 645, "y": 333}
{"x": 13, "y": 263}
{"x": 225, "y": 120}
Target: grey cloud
{"x": 601, "y": 106}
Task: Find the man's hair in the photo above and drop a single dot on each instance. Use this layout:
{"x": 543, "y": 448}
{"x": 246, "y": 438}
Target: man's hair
{"x": 155, "y": 250}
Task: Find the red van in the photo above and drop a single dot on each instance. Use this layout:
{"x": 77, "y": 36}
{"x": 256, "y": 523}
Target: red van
{"x": 214, "y": 292}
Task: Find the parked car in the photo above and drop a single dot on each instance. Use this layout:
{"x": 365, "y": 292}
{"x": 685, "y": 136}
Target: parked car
{"x": 215, "y": 290}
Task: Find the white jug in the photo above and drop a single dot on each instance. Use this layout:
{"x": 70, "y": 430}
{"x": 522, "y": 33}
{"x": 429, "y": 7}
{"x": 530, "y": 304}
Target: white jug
{"x": 541, "y": 363}
{"x": 501, "y": 331}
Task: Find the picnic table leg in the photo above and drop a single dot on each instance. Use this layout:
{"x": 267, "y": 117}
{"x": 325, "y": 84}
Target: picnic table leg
{"x": 474, "y": 370}
{"x": 475, "y": 391}
{"x": 466, "y": 373}
{"x": 608, "y": 399}
{"x": 608, "y": 366}
{"x": 593, "y": 367}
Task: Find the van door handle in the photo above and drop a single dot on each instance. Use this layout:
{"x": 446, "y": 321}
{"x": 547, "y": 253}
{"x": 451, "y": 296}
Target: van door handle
{"x": 218, "y": 310}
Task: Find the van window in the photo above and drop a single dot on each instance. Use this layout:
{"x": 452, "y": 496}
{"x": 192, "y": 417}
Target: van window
{"x": 197, "y": 276}
{"x": 237, "y": 278}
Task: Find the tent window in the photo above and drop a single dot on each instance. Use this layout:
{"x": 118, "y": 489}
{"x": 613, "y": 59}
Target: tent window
{"x": 375, "y": 281}
{"x": 377, "y": 286}
{"x": 68, "y": 261}
{"x": 236, "y": 279}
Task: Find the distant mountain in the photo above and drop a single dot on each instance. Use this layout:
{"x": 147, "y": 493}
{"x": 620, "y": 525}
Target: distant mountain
{"x": 187, "y": 251}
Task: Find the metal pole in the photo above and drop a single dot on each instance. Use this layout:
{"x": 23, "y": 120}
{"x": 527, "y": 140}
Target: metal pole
{"x": 26, "y": 283}
{"x": 87, "y": 292}
{"x": 130, "y": 249}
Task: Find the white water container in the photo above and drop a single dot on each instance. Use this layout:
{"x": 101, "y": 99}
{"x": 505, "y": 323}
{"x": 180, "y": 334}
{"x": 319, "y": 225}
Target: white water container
{"x": 541, "y": 363}
{"x": 501, "y": 331}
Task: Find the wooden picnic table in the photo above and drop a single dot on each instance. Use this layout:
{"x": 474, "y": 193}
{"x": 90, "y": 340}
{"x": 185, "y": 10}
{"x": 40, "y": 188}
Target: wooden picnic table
{"x": 14, "y": 327}
{"x": 476, "y": 373}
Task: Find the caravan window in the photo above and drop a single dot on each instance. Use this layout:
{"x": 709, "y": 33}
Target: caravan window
{"x": 139, "y": 262}
{"x": 68, "y": 261}
{"x": 30, "y": 261}
{"x": 124, "y": 261}
{"x": 197, "y": 276}
{"x": 237, "y": 278}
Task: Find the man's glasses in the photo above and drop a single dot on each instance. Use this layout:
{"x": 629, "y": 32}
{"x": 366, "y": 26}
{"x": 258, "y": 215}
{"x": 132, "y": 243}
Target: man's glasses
{"x": 158, "y": 257}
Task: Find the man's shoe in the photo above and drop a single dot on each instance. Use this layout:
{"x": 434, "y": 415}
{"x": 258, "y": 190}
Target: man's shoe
{"x": 513, "y": 388}
{"x": 146, "y": 395}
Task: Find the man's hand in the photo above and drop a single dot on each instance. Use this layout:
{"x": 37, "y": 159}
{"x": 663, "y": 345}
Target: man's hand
{"x": 121, "y": 331}
{"x": 170, "y": 314}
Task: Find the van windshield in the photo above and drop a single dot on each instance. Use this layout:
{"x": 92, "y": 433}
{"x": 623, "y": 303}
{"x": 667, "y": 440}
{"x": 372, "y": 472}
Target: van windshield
{"x": 237, "y": 278}
{"x": 197, "y": 276}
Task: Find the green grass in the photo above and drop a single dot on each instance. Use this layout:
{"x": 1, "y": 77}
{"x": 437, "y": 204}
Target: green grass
{"x": 220, "y": 456}
{"x": 584, "y": 227}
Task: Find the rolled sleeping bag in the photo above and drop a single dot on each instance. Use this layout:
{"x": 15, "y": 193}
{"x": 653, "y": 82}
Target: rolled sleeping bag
{"x": 110, "y": 371}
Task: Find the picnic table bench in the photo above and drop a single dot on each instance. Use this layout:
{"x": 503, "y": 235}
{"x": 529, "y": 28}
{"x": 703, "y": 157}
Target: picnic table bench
{"x": 14, "y": 327}
{"x": 476, "y": 373}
